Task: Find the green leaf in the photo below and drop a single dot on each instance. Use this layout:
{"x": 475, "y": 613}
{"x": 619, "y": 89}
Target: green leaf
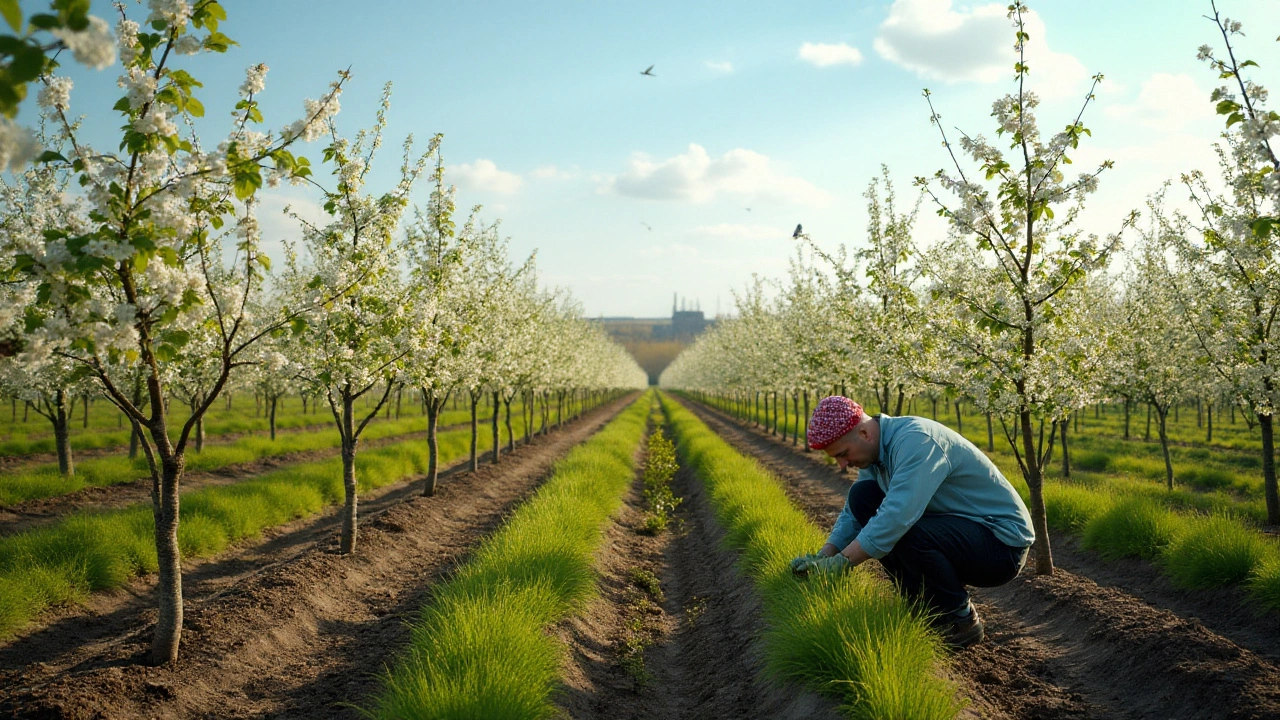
{"x": 264, "y": 261}
{"x": 176, "y": 338}
{"x": 165, "y": 353}
{"x": 1248, "y": 63}
{"x": 195, "y": 107}
{"x": 50, "y": 156}
{"x": 217, "y": 42}
{"x": 12, "y": 14}
{"x": 1226, "y": 107}
{"x": 247, "y": 182}
{"x": 299, "y": 325}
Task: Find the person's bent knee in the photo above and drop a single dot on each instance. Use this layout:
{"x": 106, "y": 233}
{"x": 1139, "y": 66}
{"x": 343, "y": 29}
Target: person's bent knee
{"x": 865, "y": 497}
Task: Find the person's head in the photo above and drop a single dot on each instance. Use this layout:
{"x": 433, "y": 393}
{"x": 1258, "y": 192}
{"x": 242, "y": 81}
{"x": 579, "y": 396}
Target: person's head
{"x": 842, "y": 430}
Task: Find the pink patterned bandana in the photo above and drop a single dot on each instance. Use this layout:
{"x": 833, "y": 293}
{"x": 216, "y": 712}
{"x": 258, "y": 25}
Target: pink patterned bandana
{"x": 833, "y": 417}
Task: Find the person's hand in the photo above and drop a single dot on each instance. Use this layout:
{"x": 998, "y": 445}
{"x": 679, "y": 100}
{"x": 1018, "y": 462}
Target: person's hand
{"x": 835, "y": 564}
{"x": 797, "y": 565}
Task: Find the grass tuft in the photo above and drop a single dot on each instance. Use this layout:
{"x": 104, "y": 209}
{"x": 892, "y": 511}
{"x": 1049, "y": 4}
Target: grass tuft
{"x": 1133, "y": 527}
{"x": 1215, "y": 552}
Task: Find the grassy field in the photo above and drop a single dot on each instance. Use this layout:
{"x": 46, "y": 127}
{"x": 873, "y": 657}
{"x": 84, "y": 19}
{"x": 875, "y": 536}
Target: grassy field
{"x": 43, "y": 480}
{"x": 86, "y": 552}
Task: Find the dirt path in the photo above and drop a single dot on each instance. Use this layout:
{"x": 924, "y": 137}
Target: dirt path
{"x": 701, "y": 658}
{"x": 1064, "y": 646}
{"x": 285, "y": 627}
{"x": 46, "y": 511}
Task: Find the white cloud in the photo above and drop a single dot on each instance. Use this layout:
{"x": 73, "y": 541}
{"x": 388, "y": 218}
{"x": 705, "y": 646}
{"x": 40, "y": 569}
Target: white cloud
{"x": 674, "y": 250}
{"x": 484, "y": 176}
{"x": 738, "y": 231}
{"x": 552, "y": 172}
{"x": 936, "y": 41}
{"x": 723, "y": 66}
{"x": 1167, "y": 103}
{"x": 825, "y": 55}
{"x": 694, "y": 176}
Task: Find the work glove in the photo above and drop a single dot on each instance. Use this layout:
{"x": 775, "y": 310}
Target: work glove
{"x": 835, "y": 564}
{"x": 798, "y": 564}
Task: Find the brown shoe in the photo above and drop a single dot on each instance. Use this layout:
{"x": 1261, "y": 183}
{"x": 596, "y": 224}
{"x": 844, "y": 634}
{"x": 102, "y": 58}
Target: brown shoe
{"x": 961, "y": 632}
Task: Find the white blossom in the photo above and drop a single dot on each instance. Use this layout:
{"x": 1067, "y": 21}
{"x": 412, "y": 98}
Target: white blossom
{"x": 92, "y": 46}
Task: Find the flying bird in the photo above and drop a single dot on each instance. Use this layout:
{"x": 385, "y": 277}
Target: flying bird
{"x": 796, "y": 234}
{"x": 748, "y": 209}
{"x": 648, "y": 71}
{"x": 646, "y": 225}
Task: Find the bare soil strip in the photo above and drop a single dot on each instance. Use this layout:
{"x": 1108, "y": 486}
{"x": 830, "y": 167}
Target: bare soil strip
{"x": 1063, "y": 646}
{"x": 46, "y": 511}
{"x": 282, "y": 628}
{"x": 702, "y": 659}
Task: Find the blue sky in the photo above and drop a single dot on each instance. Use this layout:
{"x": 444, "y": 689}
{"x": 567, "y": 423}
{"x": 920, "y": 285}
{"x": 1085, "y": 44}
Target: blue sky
{"x": 633, "y": 188}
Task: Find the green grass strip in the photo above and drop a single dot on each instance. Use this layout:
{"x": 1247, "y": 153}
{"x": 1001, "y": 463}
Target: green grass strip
{"x": 850, "y": 636}
{"x": 42, "y": 481}
{"x": 93, "y": 551}
{"x": 480, "y": 649}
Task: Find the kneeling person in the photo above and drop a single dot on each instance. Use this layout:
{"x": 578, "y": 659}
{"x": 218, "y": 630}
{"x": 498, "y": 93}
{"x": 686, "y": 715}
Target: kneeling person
{"x": 928, "y": 504}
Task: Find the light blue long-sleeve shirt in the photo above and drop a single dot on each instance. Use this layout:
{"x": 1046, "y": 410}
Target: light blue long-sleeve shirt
{"x": 926, "y": 467}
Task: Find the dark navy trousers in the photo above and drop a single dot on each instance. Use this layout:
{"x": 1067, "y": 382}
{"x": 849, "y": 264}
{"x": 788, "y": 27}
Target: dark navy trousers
{"x": 940, "y": 554}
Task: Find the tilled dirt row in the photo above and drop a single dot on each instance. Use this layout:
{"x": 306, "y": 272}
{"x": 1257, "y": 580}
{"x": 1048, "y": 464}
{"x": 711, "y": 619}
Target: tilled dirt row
{"x": 46, "y": 511}
{"x": 701, "y": 658}
{"x": 1063, "y": 646}
{"x": 286, "y": 628}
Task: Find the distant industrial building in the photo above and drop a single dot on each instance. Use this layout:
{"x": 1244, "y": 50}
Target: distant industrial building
{"x": 686, "y": 322}
{"x": 655, "y": 342}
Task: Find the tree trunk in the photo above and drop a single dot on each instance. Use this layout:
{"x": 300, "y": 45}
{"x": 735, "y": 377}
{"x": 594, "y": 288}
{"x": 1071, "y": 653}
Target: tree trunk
{"x": 1126, "y": 418}
{"x": 1035, "y": 484}
{"x": 559, "y": 409}
{"x": 1148, "y": 435}
{"x": 775, "y": 412}
{"x": 134, "y": 437}
{"x": 511, "y": 436}
{"x": 165, "y": 506}
{"x": 897, "y": 411}
{"x": 1066, "y": 453}
{"x": 272, "y": 421}
{"x": 935, "y": 407}
{"x": 199, "y": 433}
{"x": 991, "y": 435}
{"x": 806, "y": 422}
{"x": 1163, "y": 415}
{"x": 497, "y": 440}
{"x": 349, "y": 440}
{"x": 526, "y": 408}
{"x": 399, "y": 397}
{"x": 85, "y": 424}
{"x": 959, "y": 421}
{"x": 1208, "y": 436}
{"x": 61, "y": 417}
{"x": 475, "y": 431}
{"x": 433, "y": 447}
{"x": 1269, "y": 469}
